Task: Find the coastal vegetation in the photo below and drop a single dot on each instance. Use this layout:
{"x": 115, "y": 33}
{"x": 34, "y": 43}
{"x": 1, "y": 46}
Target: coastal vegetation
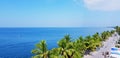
{"x": 118, "y": 44}
{"x": 77, "y": 48}
{"x": 117, "y": 29}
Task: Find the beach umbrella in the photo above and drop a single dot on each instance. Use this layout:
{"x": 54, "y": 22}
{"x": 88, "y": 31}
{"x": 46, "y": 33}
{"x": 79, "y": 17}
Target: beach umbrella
{"x": 115, "y": 52}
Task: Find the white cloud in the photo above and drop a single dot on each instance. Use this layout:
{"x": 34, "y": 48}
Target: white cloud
{"x": 102, "y": 5}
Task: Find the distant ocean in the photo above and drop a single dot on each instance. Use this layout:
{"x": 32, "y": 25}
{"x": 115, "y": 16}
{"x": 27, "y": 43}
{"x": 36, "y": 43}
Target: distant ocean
{"x": 18, "y": 42}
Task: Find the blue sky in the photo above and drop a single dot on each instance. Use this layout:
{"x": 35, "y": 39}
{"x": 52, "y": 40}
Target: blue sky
{"x": 59, "y": 13}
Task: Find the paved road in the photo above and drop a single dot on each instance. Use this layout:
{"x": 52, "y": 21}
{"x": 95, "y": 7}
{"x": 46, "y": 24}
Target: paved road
{"x": 106, "y": 48}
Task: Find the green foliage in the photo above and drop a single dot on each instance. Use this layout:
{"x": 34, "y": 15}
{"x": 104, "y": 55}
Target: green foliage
{"x": 41, "y": 50}
{"x": 117, "y": 29}
{"x": 105, "y": 35}
{"x": 67, "y": 50}
{"x": 79, "y": 45}
{"x": 72, "y": 49}
{"x": 113, "y": 31}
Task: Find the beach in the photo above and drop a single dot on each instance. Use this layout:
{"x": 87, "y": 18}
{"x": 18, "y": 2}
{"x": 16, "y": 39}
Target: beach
{"x": 107, "y": 45}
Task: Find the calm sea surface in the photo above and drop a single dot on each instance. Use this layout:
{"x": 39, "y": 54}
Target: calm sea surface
{"x": 18, "y": 42}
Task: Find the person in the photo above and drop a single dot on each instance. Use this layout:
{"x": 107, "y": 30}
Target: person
{"x": 107, "y": 54}
{"x": 104, "y": 54}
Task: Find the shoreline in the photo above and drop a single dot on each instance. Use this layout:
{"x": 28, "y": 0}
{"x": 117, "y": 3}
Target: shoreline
{"x": 107, "y": 45}
{"x": 82, "y": 47}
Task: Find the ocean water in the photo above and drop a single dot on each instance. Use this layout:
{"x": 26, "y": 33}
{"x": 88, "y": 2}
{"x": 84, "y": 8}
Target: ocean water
{"x": 18, "y": 42}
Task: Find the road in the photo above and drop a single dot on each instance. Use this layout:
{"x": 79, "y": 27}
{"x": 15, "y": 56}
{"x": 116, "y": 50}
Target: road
{"x": 106, "y": 47}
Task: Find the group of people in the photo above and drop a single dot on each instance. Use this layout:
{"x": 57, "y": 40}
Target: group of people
{"x": 106, "y": 54}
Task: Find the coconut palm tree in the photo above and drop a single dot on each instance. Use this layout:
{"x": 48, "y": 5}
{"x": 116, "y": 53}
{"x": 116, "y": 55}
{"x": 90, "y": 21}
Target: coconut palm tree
{"x": 64, "y": 45}
{"x": 117, "y": 29}
{"x": 97, "y": 36}
{"x": 112, "y": 31}
{"x": 89, "y": 43}
{"x": 109, "y": 33}
{"x": 66, "y": 48}
{"x": 65, "y": 42}
{"x": 55, "y": 53}
{"x": 41, "y": 50}
{"x": 79, "y": 47}
{"x": 92, "y": 42}
{"x": 104, "y": 35}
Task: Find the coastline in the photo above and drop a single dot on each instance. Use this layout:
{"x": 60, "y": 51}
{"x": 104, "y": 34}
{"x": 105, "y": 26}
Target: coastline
{"x": 22, "y": 41}
{"x": 71, "y": 48}
{"x": 107, "y": 45}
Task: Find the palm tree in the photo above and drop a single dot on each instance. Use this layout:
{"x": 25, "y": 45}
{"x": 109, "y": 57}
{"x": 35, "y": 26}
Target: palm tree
{"x": 112, "y": 31}
{"x": 92, "y": 45}
{"x": 81, "y": 39}
{"x": 92, "y": 42}
{"x": 117, "y": 29}
{"x": 55, "y": 53}
{"x": 41, "y": 50}
{"x": 79, "y": 45}
{"x": 89, "y": 43}
{"x": 66, "y": 48}
{"x": 109, "y": 33}
{"x": 64, "y": 45}
{"x": 97, "y": 36}
{"x": 104, "y": 36}
{"x": 65, "y": 42}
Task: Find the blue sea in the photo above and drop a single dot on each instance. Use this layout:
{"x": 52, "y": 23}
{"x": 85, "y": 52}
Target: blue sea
{"x": 18, "y": 42}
